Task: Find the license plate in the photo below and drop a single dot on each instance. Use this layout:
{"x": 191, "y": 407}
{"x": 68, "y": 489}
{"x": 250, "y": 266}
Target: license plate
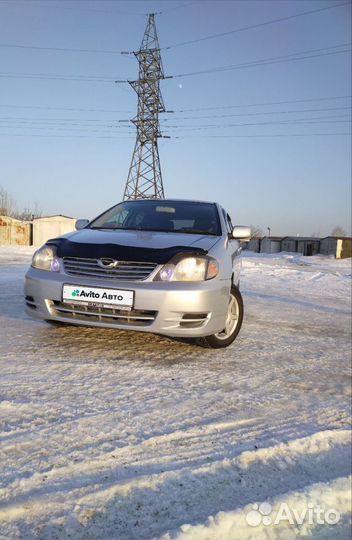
{"x": 92, "y": 296}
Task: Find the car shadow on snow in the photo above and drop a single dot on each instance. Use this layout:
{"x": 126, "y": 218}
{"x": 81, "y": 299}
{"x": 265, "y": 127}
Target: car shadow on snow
{"x": 82, "y": 343}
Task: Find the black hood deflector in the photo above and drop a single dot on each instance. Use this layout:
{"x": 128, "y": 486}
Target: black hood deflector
{"x": 66, "y": 248}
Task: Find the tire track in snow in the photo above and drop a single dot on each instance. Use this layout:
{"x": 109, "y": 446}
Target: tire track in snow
{"x": 220, "y": 485}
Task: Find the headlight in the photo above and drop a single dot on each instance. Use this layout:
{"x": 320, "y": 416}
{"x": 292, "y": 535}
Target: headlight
{"x": 189, "y": 269}
{"x": 45, "y": 259}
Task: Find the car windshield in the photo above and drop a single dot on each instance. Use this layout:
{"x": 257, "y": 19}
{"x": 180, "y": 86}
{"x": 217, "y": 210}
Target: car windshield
{"x": 158, "y": 215}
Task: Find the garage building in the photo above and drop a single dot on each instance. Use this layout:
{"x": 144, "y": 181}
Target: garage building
{"x": 48, "y": 227}
{"x": 339, "y": 247}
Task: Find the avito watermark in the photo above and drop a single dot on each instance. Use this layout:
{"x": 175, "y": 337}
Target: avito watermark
{"x": 264, "y": 514}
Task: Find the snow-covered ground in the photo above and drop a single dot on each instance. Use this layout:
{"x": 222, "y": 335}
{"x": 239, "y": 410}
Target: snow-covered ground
{"x": 115, "y": 435}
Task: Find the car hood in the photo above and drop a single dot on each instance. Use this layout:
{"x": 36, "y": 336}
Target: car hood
{"x": 144, "y": 239}
{"x": 152, "y": 246}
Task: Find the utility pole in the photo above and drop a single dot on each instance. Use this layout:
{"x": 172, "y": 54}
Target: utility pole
{"x": 144, "y": 179}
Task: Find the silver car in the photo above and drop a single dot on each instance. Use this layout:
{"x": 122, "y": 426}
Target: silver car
{"x": 166, "y": 266}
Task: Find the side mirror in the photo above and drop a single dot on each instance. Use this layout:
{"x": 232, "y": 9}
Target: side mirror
{"x": 241, "y": 233}
{"x": 81, "y": 223}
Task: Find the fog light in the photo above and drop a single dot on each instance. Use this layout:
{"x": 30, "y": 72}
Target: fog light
{"x": 55, "y": 265}
{"x": 166, "y": 272}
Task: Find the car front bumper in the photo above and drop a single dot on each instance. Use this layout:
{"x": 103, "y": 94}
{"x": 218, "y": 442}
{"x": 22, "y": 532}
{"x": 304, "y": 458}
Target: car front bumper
{"x": 183, "y": 309}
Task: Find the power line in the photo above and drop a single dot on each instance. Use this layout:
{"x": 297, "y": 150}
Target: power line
{"x": 39, "y": 124}
{"x": 269, "y": 61}
{"x": 42, "y": 125}
{"x": 14, "y": 124}
{"x": 69, "y": 135}
{"x": 261, "y": 113}
{"x": 263, "y": 104}
{"x": 110, "y": 129}
{"x": 71, "y": 8}
{"x": 250, "y": 124}
{"x": 271, "y": 135}
{"x": 61, "y": 49}
{"x": 117, "y": 120}
{"x": 175, "y": 7}
{"x": 244, "y": 105}
{"x": 41, "y": 107}
{"x": 93, "y": 10}
{"x": 62, "y": 120}
{"x": 115, "y": 124}
{"x": 110, "y": 12}
{"x": 57, "y": 77}
{"x": 62, "y": 128}
{"x": 213, "y": 36}
{"x": 250, "y": 27}
{"x": 254, "y": 63}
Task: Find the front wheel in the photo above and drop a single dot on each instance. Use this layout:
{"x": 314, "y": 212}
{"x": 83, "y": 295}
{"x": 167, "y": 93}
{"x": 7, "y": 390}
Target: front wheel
{"x": 233, "y": 322}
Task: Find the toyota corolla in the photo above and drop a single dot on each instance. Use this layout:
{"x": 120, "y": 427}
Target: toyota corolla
{"x": 171, "y": 267}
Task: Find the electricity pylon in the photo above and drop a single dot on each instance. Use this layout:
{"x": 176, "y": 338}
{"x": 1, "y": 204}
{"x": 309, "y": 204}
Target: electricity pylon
{"x": 144, "y": 179}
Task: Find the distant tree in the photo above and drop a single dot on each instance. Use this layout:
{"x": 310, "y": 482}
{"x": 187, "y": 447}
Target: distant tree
{"x": 7, "y": 203}
{"x": 30, "y": 213}
{"x": 8, "y": 207}
{"x": 338, "y": 231}
{"x": 256, "y": 231}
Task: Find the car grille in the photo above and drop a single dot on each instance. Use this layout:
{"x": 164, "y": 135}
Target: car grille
{"x": 78, "y": 312}
{"x": 125, "y": 270}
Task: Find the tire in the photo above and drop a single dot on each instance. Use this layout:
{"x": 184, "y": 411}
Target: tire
{"x": 233, "y": 322}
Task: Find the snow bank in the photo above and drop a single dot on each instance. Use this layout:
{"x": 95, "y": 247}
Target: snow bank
{"x": 16, "y": 254}
{"x": 290, "y": 516}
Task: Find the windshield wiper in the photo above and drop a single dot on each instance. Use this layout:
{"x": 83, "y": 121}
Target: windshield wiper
{"x": 189, "y": 230}
{"x": 117, "y": 228}
{"x": 184, "y": 230}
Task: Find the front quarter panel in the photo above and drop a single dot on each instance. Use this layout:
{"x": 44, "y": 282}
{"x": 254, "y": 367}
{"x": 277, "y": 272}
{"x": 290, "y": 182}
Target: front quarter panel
{"x": 228, "y": 254}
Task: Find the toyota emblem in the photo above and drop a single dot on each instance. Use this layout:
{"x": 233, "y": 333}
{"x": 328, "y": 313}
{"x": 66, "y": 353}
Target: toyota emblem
{"x": 106, "y": 262}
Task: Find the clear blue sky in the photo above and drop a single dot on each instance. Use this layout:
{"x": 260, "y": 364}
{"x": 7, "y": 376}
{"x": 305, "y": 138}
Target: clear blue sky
{"x": 61, "y": 144}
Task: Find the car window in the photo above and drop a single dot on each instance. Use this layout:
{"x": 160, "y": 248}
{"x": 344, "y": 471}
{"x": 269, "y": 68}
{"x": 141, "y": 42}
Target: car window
{"x": 170, "y": 216}
{"x": 228, "y": 222}
{"x": 118, "y": 218}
